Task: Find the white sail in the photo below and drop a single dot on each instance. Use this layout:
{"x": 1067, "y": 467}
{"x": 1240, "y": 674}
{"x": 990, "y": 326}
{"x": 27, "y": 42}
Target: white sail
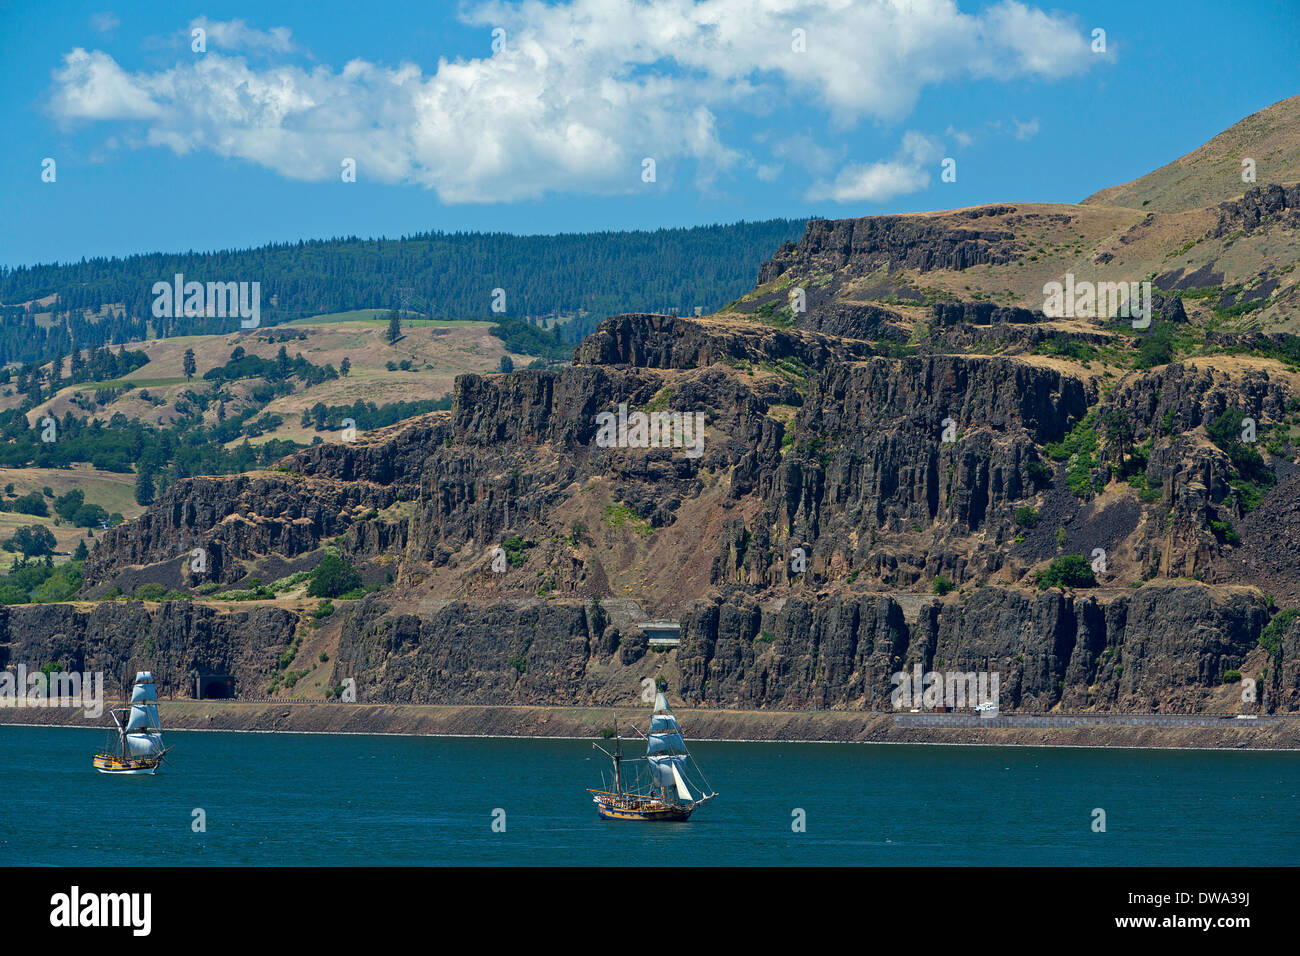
{"x": 144, "y": 717}
{"x": 662, "y": 770}
{"x": 665, "y": 743}
{"x": 144, "y": 691}
{"x": 683, "y": 791}
{"x": 143, "y": 745}
{"x": 666, "y": 752}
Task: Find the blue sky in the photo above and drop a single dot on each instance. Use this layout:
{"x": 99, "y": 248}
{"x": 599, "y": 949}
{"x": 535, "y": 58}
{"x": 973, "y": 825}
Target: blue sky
{"x": 159, "y": 147}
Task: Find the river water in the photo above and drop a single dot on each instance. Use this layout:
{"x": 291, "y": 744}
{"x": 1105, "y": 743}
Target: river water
{"x": 324, "y": 800}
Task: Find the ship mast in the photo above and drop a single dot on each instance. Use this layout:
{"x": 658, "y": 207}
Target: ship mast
{"x": 618, "y": 760}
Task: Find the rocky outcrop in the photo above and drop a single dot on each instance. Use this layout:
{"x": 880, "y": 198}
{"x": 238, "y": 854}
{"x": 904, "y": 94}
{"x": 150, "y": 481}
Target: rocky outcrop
{"x": 1261, "y": 205}
{"x": 889, "y": 243}
{"x": 232, "y": 519}
{"x": 982, "y": 313}
{"x": 173, "y": 639}
{"x": 886, "y": 446}
{"x": 667, "y": 341}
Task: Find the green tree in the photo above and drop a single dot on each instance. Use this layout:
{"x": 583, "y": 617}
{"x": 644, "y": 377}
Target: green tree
{"x": 66, "y": 506}
{"x": 1156, "y": 348}
{"x": 1118, "y": 426}
{"x": 345, "y": 366}
{"x": 144, "y": 487}
{"x": 394, "y": 326}
{"x": 189, "y": 366}
{"x": 506, "y": 364}
{"x": 33, "y": 541}
{"x": 334, "y": 575}
{"x": 32, "y": 504}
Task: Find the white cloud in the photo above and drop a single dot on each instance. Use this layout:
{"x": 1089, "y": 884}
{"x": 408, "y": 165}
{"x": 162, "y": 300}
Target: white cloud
{"x": 1026, "y": 130}
{"x": 238, "y": 35}
{"x": 104, "y": 22}
{"x": 961, "y": 137}
{"x": 581, "y": 92}
{"x": 92, "y": 86}
{"x": 907, "y": 172}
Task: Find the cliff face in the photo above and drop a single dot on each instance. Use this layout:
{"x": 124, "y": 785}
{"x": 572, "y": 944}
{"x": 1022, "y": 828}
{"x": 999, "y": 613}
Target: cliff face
{"x": 1164, "y": 648}
{"x": 173, "y": 639}
{"x": 857, "y": 457}
{"x": 234, "y": 519}
{"x": 895, "y": 242}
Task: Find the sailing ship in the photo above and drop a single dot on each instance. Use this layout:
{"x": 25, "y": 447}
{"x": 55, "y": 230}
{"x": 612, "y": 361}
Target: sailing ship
{"x": 666, "y": 795}
{"x": 138, "y": 747}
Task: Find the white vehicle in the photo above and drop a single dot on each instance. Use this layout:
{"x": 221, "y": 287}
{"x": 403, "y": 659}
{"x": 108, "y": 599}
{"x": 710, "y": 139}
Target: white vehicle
{"x": 987, "y": 709}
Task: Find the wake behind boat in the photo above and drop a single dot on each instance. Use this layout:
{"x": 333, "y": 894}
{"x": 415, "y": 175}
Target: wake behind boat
{"x": 139, "y": 747}
{"x": 667, "y": 795}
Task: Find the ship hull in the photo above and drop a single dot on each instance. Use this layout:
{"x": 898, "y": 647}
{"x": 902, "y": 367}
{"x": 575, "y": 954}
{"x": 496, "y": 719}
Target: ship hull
{"x": 642, "y": 811}
{"x": 111, "y": 763}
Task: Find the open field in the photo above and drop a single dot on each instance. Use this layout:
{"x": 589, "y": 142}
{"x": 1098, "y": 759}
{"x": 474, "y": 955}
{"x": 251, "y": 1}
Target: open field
{"x": 437, "y": 351}
{"x": 110, "y": 490}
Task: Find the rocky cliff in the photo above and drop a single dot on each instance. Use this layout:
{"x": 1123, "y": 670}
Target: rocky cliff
{"x": 888, "y": 476}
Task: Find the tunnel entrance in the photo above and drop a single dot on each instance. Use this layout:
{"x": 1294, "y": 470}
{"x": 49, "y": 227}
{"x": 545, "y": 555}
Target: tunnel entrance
{"x": 214, "y": 686}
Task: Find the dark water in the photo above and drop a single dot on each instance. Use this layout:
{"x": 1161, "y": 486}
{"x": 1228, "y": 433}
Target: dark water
{"x": 323, "y": 800}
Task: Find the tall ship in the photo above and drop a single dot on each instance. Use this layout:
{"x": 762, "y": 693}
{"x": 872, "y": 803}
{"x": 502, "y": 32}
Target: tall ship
{"x": 665, "y": 791}
{"x": 138, "y": 746}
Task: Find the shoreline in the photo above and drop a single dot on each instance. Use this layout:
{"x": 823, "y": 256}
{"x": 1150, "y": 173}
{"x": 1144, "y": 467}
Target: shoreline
{"x": 507, "y": 721}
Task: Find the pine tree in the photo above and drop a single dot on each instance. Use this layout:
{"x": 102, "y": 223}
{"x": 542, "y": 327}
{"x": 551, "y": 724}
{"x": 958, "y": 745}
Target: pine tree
{"x": 189, "y": 365}
{"x": 394, "y": 326}
{"x": 144, "y": 487}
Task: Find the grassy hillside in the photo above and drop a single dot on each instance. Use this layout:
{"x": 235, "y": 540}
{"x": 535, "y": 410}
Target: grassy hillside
{"x": 437, "y": 351}
{"x": 1211, "y": 174}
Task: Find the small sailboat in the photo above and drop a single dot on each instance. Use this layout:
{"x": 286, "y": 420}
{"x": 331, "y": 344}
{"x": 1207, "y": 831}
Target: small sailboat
{"x": 139, "y": 747}
{"x": 667, "y": 795}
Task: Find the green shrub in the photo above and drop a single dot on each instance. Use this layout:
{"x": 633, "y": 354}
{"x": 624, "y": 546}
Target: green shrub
{"x": 149, "y": 592}
{"x": 1225, "y": 532}
{"x": 1068, "y": 571}
{"x": 941, "y": 585}
{"x": 1270, "y": 638}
